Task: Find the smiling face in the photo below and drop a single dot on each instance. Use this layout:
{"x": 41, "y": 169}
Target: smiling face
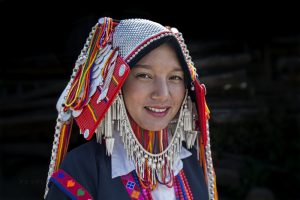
{"x": 154, "y": 90}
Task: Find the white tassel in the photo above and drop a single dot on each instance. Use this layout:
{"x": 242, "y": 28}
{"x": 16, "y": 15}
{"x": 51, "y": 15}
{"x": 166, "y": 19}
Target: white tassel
{"x": 109, "y": 140}
{"x": 108, "y": 123}
{"x": 198, "y": 148}
{"x": 182, "y": 133}
{"x": 191, "y": 138}
{"x": 187, "y": 118}
{"x": 100, "y": 131}
{"x": 109, "y": 145}
{"x": 118, "y": 115}
{"x": 114, "y": 110}
{"x": 108, "y": 128}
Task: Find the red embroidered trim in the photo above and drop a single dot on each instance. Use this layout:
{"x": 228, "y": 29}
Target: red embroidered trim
{"x": 70, "y": 186}
{"x": 86, "y": 120}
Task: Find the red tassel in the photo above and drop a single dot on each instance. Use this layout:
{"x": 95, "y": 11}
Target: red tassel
{"x": 201, "y": 108}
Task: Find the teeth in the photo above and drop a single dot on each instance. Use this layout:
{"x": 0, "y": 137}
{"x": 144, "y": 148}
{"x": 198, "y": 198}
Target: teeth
{"x": 157, "y": 110}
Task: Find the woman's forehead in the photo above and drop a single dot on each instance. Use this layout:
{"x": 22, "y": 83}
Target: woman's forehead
{"x": 164, "y": 54}
{"x": 159, "y": 68}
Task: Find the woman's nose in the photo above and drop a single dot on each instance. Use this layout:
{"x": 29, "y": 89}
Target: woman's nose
{"x": 160, "y": 90}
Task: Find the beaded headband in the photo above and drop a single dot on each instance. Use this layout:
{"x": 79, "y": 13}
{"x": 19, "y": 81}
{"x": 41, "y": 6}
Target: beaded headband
{"x": 92, "y": 95}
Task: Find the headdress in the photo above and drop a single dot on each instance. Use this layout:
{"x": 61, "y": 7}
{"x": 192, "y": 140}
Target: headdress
{"x": 93, "y": 99}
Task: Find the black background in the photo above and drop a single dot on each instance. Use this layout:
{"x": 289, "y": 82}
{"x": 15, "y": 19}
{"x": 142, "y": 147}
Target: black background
{"x": 33, "y": 31}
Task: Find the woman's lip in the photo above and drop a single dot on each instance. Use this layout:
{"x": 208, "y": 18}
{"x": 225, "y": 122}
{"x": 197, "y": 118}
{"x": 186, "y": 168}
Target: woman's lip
{"x": 158, "y": 107}
{"x": 157, "y": 114}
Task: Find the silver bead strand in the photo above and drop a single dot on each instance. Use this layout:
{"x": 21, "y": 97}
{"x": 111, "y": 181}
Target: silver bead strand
{"x": 53, "y": 152}
{"x": 210, "y": 169}
{"x": 80, "y": 60}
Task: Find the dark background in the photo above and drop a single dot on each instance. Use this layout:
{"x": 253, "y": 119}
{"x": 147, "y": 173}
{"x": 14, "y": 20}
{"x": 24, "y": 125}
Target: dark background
{"x": 248, "y": 57}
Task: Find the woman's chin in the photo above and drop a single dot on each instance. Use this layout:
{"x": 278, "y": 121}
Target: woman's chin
{"x": 155, "y": 127}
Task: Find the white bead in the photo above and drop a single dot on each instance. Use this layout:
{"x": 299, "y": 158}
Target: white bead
{"x": 153, "y": 166}
{"x": 86, "y": 133}
{"x": 158, "y": 165}
{"x": 101, "y": 20}
{"x": 122, "y": 70}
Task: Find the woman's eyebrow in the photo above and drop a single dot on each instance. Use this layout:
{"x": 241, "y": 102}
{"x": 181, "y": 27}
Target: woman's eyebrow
{"x": 145, "y": 66}
{"x": 178, "y": 70}
{"x": 142, "y": 66}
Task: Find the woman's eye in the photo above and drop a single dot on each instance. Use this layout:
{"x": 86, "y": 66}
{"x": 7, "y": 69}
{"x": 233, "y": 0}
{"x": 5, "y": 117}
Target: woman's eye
{"x": 142, "y": 75}
{"x": 175, "y": 77}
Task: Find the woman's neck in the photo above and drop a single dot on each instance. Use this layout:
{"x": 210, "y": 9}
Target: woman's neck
{"x": 152, "y": 141}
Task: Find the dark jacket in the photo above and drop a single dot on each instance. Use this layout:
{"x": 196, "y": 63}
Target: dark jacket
{"x": 89, "y": 165}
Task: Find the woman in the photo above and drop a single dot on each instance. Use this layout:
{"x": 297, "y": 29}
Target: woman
{"x": 135, "y": 86}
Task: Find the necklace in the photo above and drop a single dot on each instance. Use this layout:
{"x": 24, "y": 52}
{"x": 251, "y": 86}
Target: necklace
{"x": 151, "y": 168}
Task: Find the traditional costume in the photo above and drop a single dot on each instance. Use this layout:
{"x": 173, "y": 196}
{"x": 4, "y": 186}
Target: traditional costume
{"x": 130, "y": 163}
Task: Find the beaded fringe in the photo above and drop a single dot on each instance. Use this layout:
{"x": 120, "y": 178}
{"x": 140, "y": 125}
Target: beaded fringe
{"x": 116, "y": 119}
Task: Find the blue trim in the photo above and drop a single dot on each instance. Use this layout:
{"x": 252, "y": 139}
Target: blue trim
{"x": 62, "y": 188}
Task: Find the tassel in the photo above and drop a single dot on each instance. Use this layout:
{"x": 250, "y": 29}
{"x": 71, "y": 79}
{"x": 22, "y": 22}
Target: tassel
{"x": 109, "y": 140}
{"x": 108, "y": 122}
{"x": 63, "y": 142}
{"x": 109, "y": 145}
{"x": 60, "y": 146}
{"x": 100, "y": 131}
{"x": 202, "y": 109}
{"x": 191, "y": 138}
{"x": 114, "y": 110}
{"x": 187, "y": 118}
{"x": 120, "y": 115}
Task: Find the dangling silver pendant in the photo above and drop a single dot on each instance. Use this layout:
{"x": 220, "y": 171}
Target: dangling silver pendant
{"x": 191, "y": 138}
{"x": 109, "y": 145}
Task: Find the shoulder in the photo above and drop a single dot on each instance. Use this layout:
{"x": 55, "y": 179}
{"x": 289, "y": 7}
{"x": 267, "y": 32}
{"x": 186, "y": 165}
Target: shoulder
{"x": 83, "y": 152}
{"x": 81, "y": 165}
{"x": 195, "y": 175}
{"x": 84, "y": 160}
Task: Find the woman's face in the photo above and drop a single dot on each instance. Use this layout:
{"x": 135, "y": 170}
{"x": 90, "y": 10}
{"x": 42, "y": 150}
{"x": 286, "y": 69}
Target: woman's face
{"x": 154, "y": 90}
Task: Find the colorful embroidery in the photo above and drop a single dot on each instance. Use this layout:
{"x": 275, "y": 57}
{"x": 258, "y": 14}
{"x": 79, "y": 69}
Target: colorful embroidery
{"x": 135, "y": 191}
{"x": 131, "y": 187}
{"x": 69, "y": 186}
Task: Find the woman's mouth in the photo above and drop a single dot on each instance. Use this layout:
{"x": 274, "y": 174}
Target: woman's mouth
{"x": 157, "y": 112}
